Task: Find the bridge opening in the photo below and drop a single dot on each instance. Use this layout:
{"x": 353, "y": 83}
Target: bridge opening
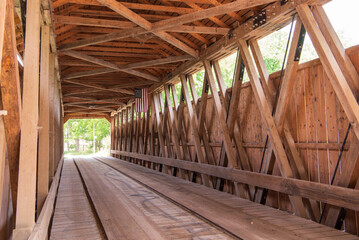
{"x": 179, "y": 119}
{"x": 87, "y": 137}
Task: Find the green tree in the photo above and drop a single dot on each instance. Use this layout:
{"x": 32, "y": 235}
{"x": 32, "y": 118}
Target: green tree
{"x": 102, "y": 130}
{"x": 83, "y": 129}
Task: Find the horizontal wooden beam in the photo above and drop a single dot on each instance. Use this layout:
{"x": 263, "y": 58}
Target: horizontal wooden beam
{"x": 135, "y": 6}
{"x": 169, "y": 23}
{"x": 88, "y": 73}
{"x": 124, "y": 68}
{"x": 98, "y": 107}
{"x": 86, "y": 116}
{"x": 124, "y": 91}
{"x": 338, "y": 196}
{"x": 134, "y": 17}
{"x": 93, "y": 22}
{"x": 199, "y": 29}
{"x": 89, "y": 111}
{"x": 96, "y": 22}
{"x": 112, "y": 67}
{"x": 157, "y": 62}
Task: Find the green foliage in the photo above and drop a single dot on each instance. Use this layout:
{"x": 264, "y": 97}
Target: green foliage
{"x": 227, "y": 68}
{"x": 198, "y": 82}
{"x": 272, "y": 48}
{"x": 76, "y": 130}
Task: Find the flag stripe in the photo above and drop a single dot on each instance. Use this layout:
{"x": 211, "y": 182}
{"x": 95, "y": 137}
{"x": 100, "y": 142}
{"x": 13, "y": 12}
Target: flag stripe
{"x": 141, "y": 104}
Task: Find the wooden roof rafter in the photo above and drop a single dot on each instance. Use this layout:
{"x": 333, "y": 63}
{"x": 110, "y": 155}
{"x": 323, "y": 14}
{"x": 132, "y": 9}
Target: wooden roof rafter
{"x": 101, "y": 38}
{"x": 169, "y": 23}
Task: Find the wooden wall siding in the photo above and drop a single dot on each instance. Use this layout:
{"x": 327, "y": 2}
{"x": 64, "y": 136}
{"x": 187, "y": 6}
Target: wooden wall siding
{"x": 316, "y": 119}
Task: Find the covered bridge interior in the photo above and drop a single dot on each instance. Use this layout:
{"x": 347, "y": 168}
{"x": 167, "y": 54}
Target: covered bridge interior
{"x": 271, "y": 157}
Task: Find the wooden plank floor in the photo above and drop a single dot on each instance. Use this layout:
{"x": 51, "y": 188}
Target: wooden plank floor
{"x": 128, "y": 210}
{"x": 133, "y": 202}
{"x": 73, "y": 217}
{"x": 242, "y": 218}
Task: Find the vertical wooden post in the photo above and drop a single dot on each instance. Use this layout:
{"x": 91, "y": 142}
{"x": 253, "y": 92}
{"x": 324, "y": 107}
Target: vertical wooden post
{"x": 146, "y": 121}
{"x": 115, "y": 132}
{"x": 131, "y": 126}
{"x": 2, "y": 129}
{"x": 125, "y": 129}
{"x": 112, "y": 134}
{"x": 117, "y": 140}
{"x": 52, "y": 118}
{"x": 121, "y": 131}
{"x": 2, "y": 159}
{"x": 43, "y": 161}
{"x": 10, "y": 92}
{"x": 25, "y": 214}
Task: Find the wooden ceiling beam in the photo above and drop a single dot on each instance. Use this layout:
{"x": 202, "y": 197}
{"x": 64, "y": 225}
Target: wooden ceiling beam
{"x": 119, "y": 54}
{"x": 106, "y": 13}
{"x": 209, "y": 12}
{"x": 158, "y": 61}
{"x": 124, "y": 91}
{"x": 132, "y": 16}
{"x": 88, "y": 73}
{"x": 226, "y": 46}
{"x": 96, "y": 22}
{"x": 232, "y": 14}
{"x": 135, "y": 6}
{"x": 86, "y": 116}
{"x": 198, "y": 8}
{"x": 80, "y": 111}
{"x": 89, "y": 99}
{"x": 169, "y": 23}
{"x": 64, "y": 28}
{"x": 84, "y": 21}
{"x": 81, "y": 92}
{"x": 200, "y": 29}
{"x": 122, "y": 50}
{"x": 112, "y": 67}
{"x": 93, "y": 102}
{"x": 105, "y": 108}
{"x": 121, "y": 86}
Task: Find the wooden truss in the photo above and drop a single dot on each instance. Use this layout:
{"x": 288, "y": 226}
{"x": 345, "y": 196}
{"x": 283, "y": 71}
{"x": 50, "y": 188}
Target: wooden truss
{"x": 92, "y": 54}
{"x": 170, "y": 147}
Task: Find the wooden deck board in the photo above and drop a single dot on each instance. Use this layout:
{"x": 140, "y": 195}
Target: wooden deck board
{"x": 73, "y": 217}
{"x": 243, "y": 222}
{"x": 128, "y": 210}
{"x": 133, "y": 202}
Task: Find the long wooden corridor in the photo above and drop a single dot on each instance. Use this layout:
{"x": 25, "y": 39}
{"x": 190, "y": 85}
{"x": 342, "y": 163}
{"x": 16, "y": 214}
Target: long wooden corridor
{"x": 132, "y": 202}
{"x": 217, "y": 129}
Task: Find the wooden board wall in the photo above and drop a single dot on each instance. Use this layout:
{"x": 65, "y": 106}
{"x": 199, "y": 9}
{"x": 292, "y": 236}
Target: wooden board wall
{"x": 317, "y": 122}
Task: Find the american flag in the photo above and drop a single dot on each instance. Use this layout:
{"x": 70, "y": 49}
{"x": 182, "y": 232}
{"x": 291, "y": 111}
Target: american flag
{"x": 141, "y": 99}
